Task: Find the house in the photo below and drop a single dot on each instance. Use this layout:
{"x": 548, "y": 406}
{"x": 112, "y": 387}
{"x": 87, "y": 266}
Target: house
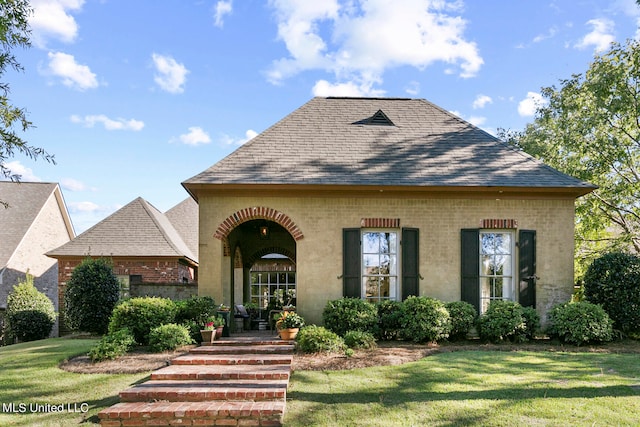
{"x": 153, "y": 253}
{"x": 383, "y": 198}
{"x": 34, "y": 221}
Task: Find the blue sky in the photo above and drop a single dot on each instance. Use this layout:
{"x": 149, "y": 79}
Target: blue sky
{"x": 134, "y": 97}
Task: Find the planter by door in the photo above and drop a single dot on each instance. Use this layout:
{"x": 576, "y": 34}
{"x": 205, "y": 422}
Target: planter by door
{"x": 207, "y": 335}
{"x": 289, "y": 334}
{"x": 219, "y": 330}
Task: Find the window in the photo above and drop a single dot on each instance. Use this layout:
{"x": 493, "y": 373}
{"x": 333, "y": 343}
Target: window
{"x": 496, "y": 267}
{"x": 379, "y": 265}
{"x": 272, "y": 287}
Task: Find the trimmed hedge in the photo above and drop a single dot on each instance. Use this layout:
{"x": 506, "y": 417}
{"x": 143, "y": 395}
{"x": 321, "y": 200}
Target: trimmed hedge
{"x": 462, "y": 316}
{"x": 503, "y": 321}
{"x": 168, "y": 337}
{"x": 140, "y": 315}
{"x": 30, "y": 314}
{"x": 580, "y": 322}
{"x": 424, "y": 319}
{"x": 317, "y": 339}
{"x": 112, "y": 346}
{"x": 350, "y": 314}
{"x": 359, "y": 339}
{"x": 389, "y": 315}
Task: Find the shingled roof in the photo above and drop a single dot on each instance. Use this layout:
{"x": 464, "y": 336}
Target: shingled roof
{"x": 394, "y": 142}
{"x": 137, "y": 229}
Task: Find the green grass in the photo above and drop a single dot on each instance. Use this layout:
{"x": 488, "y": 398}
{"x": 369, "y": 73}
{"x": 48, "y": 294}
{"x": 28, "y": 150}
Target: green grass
{"x": 29, "y": 375}
{"x": 474, "y": 388}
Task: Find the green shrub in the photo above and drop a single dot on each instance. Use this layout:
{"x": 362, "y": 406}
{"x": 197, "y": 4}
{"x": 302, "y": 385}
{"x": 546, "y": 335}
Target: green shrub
{"x": 580, "y": 322}
{"x": 194, "y": 329}
{"x": 503, "y": 321}
{"x": 112, "y": 346}
{"x": 389, "y": 315}
{"x": 30, "y": 314}
{"x": 359, "y": 339}
{"x": 424, "y": 319}
{"x": 462, "y": 316}
{"x": 196, "y": 308}
{"x": 317, "y": 339}
{"x": 140, "y": 315}
{"x": 350, "y": 314}
{"x": 169, "y": 337}
{"x": 91, "y": 294}
{"x": 531, "y": 321}
{"x": 613, "y": 281}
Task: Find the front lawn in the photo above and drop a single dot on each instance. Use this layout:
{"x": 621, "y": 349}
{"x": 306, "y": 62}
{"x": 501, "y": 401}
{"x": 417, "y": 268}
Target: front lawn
{"x": 35, "y": 392}
{"x": 486, "y": 388}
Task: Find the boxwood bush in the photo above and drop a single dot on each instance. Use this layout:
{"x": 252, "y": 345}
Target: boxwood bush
{"x": 424, "y": 319}
{"x": 350, "y": 314}
{"x": 169, "y": 337}
{"x": 142, "y": 314}
{"x": 579, "y": 323}
{"x": 389, "y": 315}
{"x": 30, "y": 314}
{"x": 613, "y": 281}
{"x": 503, "y": 321}
{"x": 196, "y": 308}
{"x": 462, "y": 316}
{"x": 359, "y": 339}
{"x": 317, "y": 339}
{"x": 531, "y": 321}
{"x": 113, "y": 345}
{"x": 91, "y": 294}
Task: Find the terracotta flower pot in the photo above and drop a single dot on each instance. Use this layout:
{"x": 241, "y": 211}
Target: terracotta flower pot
{"x": 208, "y": 335}
{"x": 219, "y": 331}
{"x": 289, "y": 334}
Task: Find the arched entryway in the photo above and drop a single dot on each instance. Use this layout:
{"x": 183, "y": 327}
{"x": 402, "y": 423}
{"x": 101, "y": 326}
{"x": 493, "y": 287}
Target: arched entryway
{"x": 261, "y": 244}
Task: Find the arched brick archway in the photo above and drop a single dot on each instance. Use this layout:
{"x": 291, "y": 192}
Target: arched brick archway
{"x": 255, "y": 212}
{"x": 266, "y": 251}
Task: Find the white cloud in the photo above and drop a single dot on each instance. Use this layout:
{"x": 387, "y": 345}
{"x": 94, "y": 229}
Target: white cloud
{"x": 413, "y": 88}
{"x": 84, "y": 207}
{"x": 195, "y": 136}
{"x": 109, "y": 124}
{"x": 171, "y": 76}
{"x": 324, "y": 88}
{"x": 600, "y": 37}
{"x": 481, "y": 101}
{"x": 476, "y": 120}
{"x": 51, "y": 19}
{"x": 74, "y": 75}
{"x": 528, "y": 106}
{"x": 26, "y": 174}
{"x": 222, "y": 8}
{"x": 248, "y": 136}
{"x": 71, "y": 184}
{"x": 337, "y": 36}
{"x": 549, "y": 34}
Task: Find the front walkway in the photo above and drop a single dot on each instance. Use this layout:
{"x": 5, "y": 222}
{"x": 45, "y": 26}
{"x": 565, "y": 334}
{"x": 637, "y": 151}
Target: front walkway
{"x": 241, "y": 380}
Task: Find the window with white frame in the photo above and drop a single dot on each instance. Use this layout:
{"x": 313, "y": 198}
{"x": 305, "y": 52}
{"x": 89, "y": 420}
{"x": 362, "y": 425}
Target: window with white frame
{"x": 496, "y": 267}
{"x": 379, "y": 265}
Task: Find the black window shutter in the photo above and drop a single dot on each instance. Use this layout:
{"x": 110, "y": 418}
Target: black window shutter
{"x": 410, "y": 263}
{"x": 527, "y": 268}
{"x": 470, "y": 263}
{"x": 351, "y": 262}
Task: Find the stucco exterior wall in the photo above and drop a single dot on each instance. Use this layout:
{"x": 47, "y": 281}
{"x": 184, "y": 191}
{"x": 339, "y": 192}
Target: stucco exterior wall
{"x": 439, "y": 219}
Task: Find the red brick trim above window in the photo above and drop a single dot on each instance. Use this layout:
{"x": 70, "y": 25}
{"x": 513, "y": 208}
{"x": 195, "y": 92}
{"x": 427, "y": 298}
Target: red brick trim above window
{"x": 380, "y": 223}
{"x": 499, "y": 223}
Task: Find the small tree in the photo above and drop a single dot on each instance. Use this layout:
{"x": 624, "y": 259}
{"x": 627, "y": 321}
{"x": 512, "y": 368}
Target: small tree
{"x": 91, "y": 294}
{"x": 30, "y": 314}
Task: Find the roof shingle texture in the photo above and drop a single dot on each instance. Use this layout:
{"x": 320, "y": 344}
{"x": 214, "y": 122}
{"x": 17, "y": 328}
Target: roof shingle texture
{"x": 136, "y": 230}
{"x": 324, "y": 142}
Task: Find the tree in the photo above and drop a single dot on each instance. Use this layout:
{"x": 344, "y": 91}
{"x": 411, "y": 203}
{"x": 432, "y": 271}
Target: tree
{"x": 91, "y": 294}
{"x": 30, "y": 313}
{"x": 14, "y": 33}
{"x": 589, "y": 127}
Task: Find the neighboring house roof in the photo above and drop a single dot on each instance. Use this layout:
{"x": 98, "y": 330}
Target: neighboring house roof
{"x": 136, "y": 230}
{"x": 381, "y": 142}
{"x": 184, "y": 217}
{"x": 25, "y": 202}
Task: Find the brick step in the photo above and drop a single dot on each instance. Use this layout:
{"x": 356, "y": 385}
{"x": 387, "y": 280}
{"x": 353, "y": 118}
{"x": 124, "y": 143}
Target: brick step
{"x": 233, "y": 359}
{"x": 243, "y": 349}
{"x": 265, "y": 413}
{"x": 240, "y": 340}
{"x": 201, "y": 390}
{"x": 221, "y": 372}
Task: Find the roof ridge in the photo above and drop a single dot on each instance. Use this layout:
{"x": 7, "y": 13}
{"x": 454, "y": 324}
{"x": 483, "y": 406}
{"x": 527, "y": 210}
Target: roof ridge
{"x": 158, "y": 217}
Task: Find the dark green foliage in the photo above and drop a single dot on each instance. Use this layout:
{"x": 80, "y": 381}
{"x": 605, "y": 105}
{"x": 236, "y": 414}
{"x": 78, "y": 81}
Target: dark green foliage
{"x": 91, "y": 294}
{"x": 317, "y": 339}
{"x": 113, "y": 345}
{"x": 580, "y": 322}
{"x": 359, "y": 339}
{"x": 531, "y": 321}
{"x": 389, "y": 315}
{"x": 30, "y": 314}
{"x": 462, "y": 316}
{"x": 424, "y": 319}
{"x": 503, "y": 321}
{"x": 141, "y": 315}
{"x": 196, "y": 308}
{"x": 613, "y": 281}
{"x": 168, "y": 337}
{"x": 194, "y": 329}
{"x": 350, "y": 314}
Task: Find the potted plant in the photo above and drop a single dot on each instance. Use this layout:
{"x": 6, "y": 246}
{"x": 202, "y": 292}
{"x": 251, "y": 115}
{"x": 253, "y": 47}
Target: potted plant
{"x": 288, "y": 325}
{"x": 208, "y": 332}
{"x": 218, "y": 324}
